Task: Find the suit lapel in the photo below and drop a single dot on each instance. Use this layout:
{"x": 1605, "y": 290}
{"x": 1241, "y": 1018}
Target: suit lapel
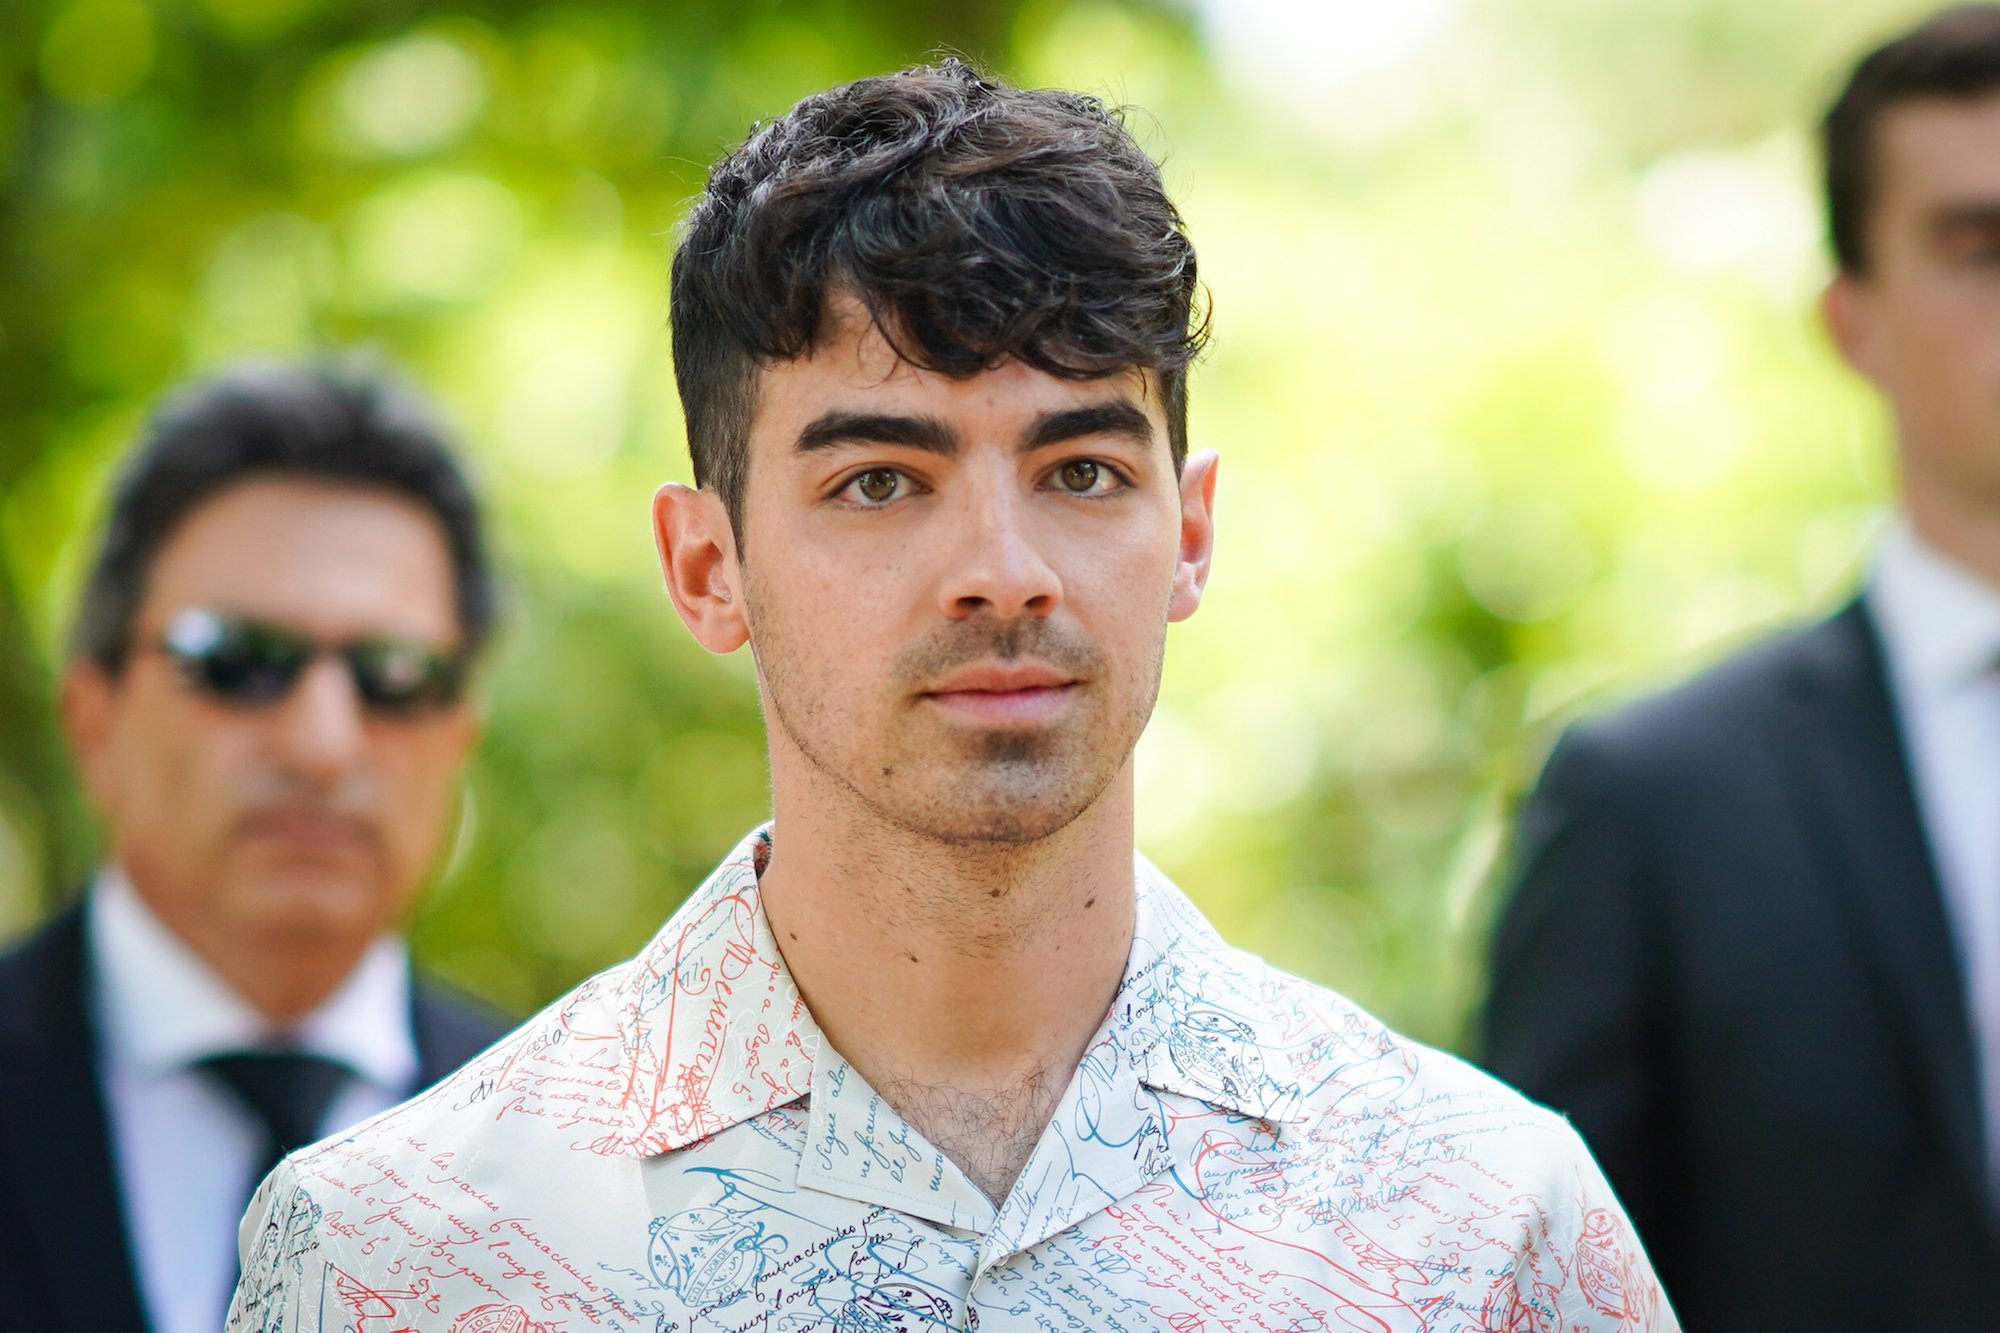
{"x": 55, "y": 1155}
{"x": 1877, "y": 858}
{"x": 449, "y": 1031}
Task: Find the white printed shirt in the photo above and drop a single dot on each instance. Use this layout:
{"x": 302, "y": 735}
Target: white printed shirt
{"x": 673, "y": 1146}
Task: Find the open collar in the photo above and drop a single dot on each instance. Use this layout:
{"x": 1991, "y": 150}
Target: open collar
{"x": 714, "y": 1032}
{"x": 1192, "y": 1019}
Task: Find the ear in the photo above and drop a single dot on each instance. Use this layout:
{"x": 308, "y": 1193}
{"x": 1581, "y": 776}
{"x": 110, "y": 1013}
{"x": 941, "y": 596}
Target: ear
{"x": 86, "y": 699}
{"x": 1197, "y": 534}
{"x": 698, "y": 556}
{"x": 1848, "y": 312}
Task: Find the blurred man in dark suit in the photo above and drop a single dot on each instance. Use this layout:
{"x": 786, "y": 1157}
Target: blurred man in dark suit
{"x": 1754, "y": 945}
{"x": 265, "y": 695}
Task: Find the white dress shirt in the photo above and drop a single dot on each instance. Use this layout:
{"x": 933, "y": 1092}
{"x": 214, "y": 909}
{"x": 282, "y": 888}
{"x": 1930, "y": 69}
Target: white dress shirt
{"x": 183, "y": 1147}
{"x": 1941, "y": 626}
{"x": 674, "y": 1146}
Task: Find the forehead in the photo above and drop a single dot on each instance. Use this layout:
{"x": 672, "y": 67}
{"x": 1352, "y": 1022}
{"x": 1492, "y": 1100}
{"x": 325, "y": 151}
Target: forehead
{"x": 1937, "y": 150}
{"x": 331, "y": 559}
{"x": 853, "y": 366}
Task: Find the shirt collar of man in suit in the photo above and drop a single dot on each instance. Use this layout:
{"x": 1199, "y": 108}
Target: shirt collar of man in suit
{"x": 1941, "y": 622}
{"x": 160, "y": 1008}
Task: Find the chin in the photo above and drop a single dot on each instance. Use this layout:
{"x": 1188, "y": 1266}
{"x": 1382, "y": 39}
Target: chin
{"x": 993, "y": 815}
{"x": 998, "y": 832}
{"x": 310, "y": 900}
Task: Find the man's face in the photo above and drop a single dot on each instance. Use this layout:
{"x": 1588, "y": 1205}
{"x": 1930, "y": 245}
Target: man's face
{"x": 1924, "y": 322}
{"x": 301, "y": 821}
{"x": 957, "y": 591}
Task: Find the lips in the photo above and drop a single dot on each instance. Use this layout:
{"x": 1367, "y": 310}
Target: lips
{"x": 1004, "y": 694}
{"x": 1002, "y": 677}
{"x": 309, "y": 829}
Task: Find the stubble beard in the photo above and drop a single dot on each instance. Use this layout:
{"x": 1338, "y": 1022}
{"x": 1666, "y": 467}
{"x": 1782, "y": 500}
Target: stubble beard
{"x": 998, "y": 790}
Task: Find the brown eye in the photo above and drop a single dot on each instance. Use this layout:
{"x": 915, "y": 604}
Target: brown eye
{"x": 1079, "y": 475}
{"x": 877, "y": 485}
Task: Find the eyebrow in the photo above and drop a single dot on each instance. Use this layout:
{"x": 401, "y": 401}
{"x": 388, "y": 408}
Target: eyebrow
{"x": 1118, "y": 417}
{"x": 837, "y": 428}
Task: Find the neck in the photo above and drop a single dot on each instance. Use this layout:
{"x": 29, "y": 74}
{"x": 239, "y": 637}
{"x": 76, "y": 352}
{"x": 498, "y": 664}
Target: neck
{"x": 978, "y": 967}
{"x": 962, "y": 981}
{"x": 1956, "y": 525}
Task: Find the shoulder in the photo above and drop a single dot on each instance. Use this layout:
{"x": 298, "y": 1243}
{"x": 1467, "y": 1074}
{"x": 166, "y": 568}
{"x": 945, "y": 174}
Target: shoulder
{"x": 539, "y": 1117}
{"x": 1243, "y": 1034}
{"x": 1356, "y": 1074}
{"x": 1729, "y": 709}
{"x": 553, "y": 1081}
{"x": 42, "y": 975}
{"x": 1388, "y": 1130}
{"x": 40, "y": 946}
{"x": 452, "y": 1027}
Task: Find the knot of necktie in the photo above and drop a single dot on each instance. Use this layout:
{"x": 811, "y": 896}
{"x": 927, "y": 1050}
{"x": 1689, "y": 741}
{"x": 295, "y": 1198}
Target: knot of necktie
{"x": 288, "y": 1092}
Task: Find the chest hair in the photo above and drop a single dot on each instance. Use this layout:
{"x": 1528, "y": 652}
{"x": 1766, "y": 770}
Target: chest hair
{"x": 987, "y": 1133}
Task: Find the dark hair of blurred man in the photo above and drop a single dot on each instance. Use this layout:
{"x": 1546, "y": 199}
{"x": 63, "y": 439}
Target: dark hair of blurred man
{"x": 934, "y": 1049}
{"x": 1754, "y": 947}
{"x": 265, "y": 696}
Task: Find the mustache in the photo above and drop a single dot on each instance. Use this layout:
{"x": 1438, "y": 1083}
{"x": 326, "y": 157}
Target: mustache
{"x": 962, "y": 643}
{"x": 281, "y": 792}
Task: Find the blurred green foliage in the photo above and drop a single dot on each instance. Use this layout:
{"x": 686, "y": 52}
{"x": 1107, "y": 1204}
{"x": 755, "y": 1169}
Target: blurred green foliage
{"x": 1519, "y": 398}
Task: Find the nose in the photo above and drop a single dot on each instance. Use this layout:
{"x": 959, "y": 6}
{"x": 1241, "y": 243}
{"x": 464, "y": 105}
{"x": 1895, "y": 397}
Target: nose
{"x": 995, "y": 563}
{"x": 319, "y": 727}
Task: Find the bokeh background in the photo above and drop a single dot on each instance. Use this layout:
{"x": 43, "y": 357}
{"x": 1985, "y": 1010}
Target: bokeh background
{"x": 1520, "y": 397}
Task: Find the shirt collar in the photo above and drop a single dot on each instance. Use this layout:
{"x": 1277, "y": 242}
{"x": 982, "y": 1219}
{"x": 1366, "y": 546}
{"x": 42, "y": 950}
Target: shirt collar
{"x": 714, "y": 1031}
{"x": 1201, "y": 1018}
{"x": 712, "y": 1028}
{"x": 1941, "y": 622}
{"x": 162, "y": 1007}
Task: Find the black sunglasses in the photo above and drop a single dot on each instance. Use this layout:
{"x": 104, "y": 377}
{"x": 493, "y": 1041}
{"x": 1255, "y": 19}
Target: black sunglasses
{"x": 251, "y": 662}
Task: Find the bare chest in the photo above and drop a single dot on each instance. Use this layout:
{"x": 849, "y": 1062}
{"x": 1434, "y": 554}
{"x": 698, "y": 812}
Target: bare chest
{"x": 987, "y": 1133}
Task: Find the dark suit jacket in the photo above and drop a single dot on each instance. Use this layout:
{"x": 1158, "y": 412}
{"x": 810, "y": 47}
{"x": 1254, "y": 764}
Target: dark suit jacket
{"x": 1727, "y": 960}
{"x": 65, "y": 1262}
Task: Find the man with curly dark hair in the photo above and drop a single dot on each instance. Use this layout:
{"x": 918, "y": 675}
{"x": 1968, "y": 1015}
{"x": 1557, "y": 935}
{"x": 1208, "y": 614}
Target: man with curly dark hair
{"x": 935, "y": 1048}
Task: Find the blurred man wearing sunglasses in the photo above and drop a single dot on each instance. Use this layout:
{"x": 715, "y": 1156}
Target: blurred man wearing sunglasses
{"x": 265, "y": 698}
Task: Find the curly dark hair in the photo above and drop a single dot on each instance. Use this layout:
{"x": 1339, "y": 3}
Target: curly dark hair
{"x": 347, "y": 421}
{"x": 1954, "y": 55}
{"x": 975, "y": 221}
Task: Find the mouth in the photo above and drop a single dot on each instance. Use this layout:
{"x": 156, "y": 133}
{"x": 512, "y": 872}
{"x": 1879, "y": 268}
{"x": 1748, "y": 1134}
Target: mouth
{"x": 309, "y": 830}
{"x": 1010, "y": 694}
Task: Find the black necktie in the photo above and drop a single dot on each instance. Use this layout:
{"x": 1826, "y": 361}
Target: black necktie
{"x": 288, "y": 1092}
